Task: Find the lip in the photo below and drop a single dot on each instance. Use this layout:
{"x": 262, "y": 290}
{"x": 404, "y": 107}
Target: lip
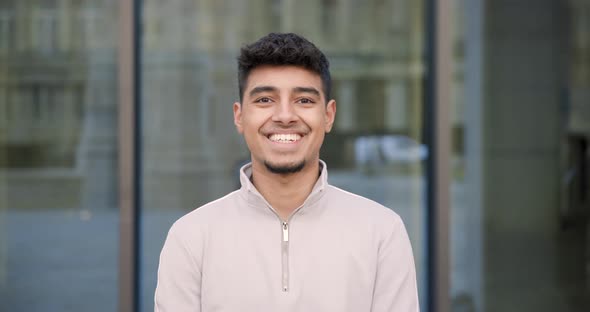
{"x": 269, "y": 133}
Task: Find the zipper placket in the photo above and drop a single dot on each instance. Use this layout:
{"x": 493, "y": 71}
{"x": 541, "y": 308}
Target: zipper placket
{"x": 285, "y": 256}
{"x": 285, "y": 244}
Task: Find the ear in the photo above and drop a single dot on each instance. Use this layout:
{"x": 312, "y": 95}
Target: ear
{"x": 238, "y": 117}
{"x": 330, "y": 115}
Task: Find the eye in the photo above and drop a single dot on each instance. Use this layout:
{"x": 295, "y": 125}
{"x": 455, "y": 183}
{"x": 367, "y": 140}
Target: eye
{"x": 305, "y": 101}
{"x": 263, "y": 100}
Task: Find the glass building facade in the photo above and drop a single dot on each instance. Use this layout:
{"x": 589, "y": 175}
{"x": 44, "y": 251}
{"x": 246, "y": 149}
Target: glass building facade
{"x": 116, "y": 120}
{"x": 58, "y": 155}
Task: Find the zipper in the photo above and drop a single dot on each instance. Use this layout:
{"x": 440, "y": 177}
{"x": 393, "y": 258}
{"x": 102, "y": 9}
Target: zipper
{"x": 285, "y": 256}
{"x": 285, "y": 241}
{"x": 285, "y": 245}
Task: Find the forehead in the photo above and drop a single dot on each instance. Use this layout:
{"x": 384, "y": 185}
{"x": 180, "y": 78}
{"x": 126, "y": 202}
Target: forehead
{"x": 283, "y": 78}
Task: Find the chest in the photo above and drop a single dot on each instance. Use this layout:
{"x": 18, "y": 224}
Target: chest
{"x": 305, "y": 265}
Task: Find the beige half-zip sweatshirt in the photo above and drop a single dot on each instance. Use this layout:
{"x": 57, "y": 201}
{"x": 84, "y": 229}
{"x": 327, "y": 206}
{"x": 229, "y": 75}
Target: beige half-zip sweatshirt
{"x": 338, "y": 252}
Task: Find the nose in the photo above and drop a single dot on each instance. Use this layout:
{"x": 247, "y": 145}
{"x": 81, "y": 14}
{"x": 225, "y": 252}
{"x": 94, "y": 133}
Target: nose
{"x": 284, "y": 113}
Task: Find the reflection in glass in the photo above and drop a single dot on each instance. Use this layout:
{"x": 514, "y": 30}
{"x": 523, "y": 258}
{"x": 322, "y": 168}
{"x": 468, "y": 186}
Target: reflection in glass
{"x": 192, "y": 151}
{"x": 58, "y": 211}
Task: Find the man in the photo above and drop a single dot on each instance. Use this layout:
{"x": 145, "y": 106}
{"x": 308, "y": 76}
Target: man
{"x": 286, "y": 240}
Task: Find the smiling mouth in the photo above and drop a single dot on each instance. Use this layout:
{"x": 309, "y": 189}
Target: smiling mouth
{"x": 284, "y": 138}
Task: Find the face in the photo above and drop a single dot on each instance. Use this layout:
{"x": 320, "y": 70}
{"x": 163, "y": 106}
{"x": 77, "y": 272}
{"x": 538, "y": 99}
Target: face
{"x": 284, "y": 117}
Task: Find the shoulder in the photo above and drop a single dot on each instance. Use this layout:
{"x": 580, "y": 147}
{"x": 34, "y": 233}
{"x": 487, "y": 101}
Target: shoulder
{"x": 362, "y": 208}
{"x": 205, "y": 215}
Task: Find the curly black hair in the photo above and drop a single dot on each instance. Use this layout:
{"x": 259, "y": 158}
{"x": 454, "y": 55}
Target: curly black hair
{"x": 283, "y": 49}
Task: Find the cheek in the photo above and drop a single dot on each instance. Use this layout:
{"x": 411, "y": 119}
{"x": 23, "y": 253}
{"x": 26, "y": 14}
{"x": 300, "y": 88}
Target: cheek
{"x": 320, "y": 139}
{"x": 253, "y": 120}
{"x": 248, "y": 124}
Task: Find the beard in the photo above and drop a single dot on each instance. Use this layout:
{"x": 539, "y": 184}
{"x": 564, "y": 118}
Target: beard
{"x": 284, "y": 169}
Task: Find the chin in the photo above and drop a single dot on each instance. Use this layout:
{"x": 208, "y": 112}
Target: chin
{"x": 288, "y": 168}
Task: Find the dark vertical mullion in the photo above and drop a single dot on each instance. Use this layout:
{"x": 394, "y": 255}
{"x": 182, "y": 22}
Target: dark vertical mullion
{"x": 428, "y": 125}
{"x": 437, "y": 136}
{"x": 138, "y": 145}
{"x": 129, "y": 156}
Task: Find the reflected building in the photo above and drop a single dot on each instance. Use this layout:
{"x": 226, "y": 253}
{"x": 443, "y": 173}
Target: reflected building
{"x": 58, "y": 137}
{"x": 58, "y": 88}
{"x": 58, "y": 103}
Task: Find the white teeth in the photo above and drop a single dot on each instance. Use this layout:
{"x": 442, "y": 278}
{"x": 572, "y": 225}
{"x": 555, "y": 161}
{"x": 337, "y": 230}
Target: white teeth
{"x": 284, "y": 138}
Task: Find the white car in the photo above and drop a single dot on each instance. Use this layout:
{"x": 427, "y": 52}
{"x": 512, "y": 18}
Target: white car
{"x": 388, "y": 149}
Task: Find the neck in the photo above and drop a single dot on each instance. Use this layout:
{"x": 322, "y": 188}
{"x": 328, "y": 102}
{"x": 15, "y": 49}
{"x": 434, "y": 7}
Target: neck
{"x": 285, "y": 192}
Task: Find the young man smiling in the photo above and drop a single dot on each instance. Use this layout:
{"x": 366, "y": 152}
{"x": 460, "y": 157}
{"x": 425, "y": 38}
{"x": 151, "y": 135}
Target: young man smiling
{"x": 286, "y": 240}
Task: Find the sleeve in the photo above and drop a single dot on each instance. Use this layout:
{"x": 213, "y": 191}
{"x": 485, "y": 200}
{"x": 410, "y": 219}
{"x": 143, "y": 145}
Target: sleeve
{"x": 179, "y": 276}
{"x": 395, "y": 283}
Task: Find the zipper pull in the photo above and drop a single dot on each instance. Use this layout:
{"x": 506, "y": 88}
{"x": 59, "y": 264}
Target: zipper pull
{"x": 285, "y": 232}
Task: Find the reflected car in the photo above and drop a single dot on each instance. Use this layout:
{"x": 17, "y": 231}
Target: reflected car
{"x": 388, "y": 149}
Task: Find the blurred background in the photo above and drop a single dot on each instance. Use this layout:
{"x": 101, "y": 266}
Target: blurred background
{"x": 520, "y": 129}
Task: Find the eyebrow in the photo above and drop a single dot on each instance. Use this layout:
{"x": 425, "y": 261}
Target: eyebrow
{"x": 262, "y": 89}
{"x": 311, "y": 90}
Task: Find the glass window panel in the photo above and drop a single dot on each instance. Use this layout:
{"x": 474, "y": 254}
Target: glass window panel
{"x": 192, "y": 152}
{"x": 521, "y": 127}
{"x": 58, "y": 145}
